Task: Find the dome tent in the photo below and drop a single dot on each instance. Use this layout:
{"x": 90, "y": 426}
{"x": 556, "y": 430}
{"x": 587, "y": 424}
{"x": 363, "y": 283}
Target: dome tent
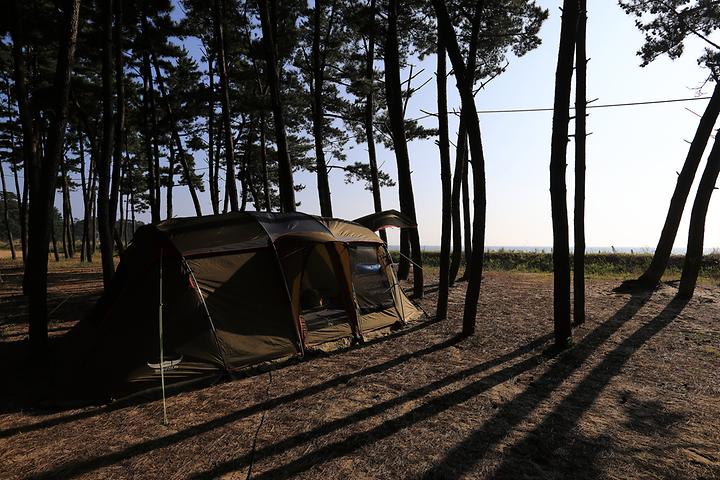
{"x": 237, "y": 289}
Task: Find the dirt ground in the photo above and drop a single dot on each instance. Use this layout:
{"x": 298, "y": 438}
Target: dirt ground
{"x": 637, "y": 396}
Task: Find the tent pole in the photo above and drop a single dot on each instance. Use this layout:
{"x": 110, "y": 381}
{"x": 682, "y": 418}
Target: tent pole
{"x": 162, "y": 365}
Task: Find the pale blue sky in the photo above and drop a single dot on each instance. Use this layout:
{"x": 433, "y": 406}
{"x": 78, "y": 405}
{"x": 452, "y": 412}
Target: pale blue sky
{"x": 633, "y": 153}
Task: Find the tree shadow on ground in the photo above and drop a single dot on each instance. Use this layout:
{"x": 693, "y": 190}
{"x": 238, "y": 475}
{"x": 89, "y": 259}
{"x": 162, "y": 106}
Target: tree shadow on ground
{"x": 551, "y": 435}
{"x": 85, "y": 466}
{"x": 510, "y": 415}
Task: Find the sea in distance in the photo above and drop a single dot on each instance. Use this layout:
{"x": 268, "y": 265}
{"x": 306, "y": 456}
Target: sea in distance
{"x": 548, "y": 249}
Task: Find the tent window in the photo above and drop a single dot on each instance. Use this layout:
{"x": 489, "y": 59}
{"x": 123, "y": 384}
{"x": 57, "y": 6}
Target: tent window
{"x": 372, "y": 288}
{"x": 321, "y": 301}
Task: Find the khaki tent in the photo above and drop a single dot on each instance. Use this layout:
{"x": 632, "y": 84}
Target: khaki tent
{"x": 237, "y": 289}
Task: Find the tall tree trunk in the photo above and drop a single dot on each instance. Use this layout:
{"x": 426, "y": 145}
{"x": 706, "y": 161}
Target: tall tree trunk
{"x": 6, "y": 216}
{"x": 580, "y": 137}
{"x": 558, "y": 165}
{"x": 696, "y": 235}
{"x": 43, "y": 191}
{"x": 404, "y": 264}
{"x": 285, "y": 175}
{"x": 117, "y": 39}
{"x": 67, "y": 212}
{"x": 85, "y": 197}
{"x": 29, "y": 138}
{"x": 467, "y": 221}
{"x": 148, "y": 134}
{"x": 213, "y": 172}
{"x": 225, "y": 103}
{"x": 369, "y": 115}
{"x": 264, "y": 160}
{"x": 394, "y": 97}
{"x": 651, "y": 277}
{"x": 182, "y": 154}
{"x": 472, "y": 124}
{"x": 106, "y": 147}
{"x": 318, "y": 68}
{"x": 444, "y": 147}
{"x": 460, "y": 165}
{"x": 21, "y": 213}
{"x": 170, "y": 182}
{"x": 53, "y": 239}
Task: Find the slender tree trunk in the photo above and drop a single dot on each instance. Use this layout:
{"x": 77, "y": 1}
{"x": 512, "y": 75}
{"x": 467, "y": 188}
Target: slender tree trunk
{"x": 460, "y": 165}
{"x": 558, "y": 165}
{"x": 6, "y": 216}
{"x": 213, "y": 172}
{"x": 43, "y": 192}
{"x": 404, "y": 264}
{"x": 85, "y": 196}
{"x": 53, "y": 239}
{"x": 464, "y": 79}
{"x": 182, "y": 154}
{"x": 285, "y": 175}
{"x": 370, "y": 115}
{"x": 117, "y": 39}
{"x": 106, "y": 147}
{"x": 444, "y": 147}
{"x": 651, "y": 277}
{"x": 66, "y": 212}
{"x": 170, "y": 182}
{"x": 580, "y": 137}
{"x": 225, "y": 103}
{"x": 395, "y": 111}
{"x": 29, "y": 138}
{"x": 21, "y": 213}
{"x": 264, "y": 160}
{"x": 93, "y": 208}
{"x": 696, "y": 235}
{"x": 318, "y": 69}
{"x": 148, "y": 134}
{"x": 467, "y": 221}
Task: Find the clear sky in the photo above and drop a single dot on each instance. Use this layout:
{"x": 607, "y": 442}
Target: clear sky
{"x": 632, "y": 159}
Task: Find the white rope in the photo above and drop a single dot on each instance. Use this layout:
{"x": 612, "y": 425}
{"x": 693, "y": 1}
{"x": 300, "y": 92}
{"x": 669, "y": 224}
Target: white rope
{"x": 162, "y": 366}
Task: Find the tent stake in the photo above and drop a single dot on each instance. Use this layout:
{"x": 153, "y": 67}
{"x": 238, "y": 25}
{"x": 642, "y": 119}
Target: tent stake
{"x": 162, "y": 366}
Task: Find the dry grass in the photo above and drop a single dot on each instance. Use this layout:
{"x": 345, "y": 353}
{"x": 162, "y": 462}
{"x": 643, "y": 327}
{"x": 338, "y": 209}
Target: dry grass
{"x": 636, "y": 397}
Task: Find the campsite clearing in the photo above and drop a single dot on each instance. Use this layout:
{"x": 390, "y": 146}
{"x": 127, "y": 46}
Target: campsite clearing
{"x": 636, "y": 396}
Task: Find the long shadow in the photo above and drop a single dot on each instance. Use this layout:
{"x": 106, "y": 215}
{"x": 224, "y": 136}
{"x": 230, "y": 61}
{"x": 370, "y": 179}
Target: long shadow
{"x": 463, "y": 457}
{"x": 558, "y": 425}
{"x": 88, "y": 465}
{"x": 439, "y": 404}
{"x": 23, "y": 403}
{"x": 429, "y": 409}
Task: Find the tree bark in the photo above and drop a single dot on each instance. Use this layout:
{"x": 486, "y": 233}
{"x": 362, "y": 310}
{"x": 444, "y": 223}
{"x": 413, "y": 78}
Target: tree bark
{"x": 472, "y": 124}
{"x": 694, "y": 253}
{"x": 6, "y": 216}
{"x": 117, "y": 38}
{"x": 318, "y": 80}
{"x": 170, "y": 181}
{"x": 444, "y": 147}
{"x": 369, "y": 115}
{"x": 43, "y": 191}
{"x": 558, "y": 165}
{"x": 263, "y": 159}
{"x": 460, "y": 165}
{"x": 467, "y": 221}
{"x": 394, "y": 97}
{"x": 285, "y": 175}
{"x": 225, "y": 103}
{"x": 213, "y": 172}
{"x": 148, "y": 134}
{"x": 580, "y": 137}
{"x": 106, "y": 147}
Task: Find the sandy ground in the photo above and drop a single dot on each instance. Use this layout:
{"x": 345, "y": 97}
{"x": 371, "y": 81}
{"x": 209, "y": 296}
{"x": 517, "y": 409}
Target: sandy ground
{"x": 637, "y": 396}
